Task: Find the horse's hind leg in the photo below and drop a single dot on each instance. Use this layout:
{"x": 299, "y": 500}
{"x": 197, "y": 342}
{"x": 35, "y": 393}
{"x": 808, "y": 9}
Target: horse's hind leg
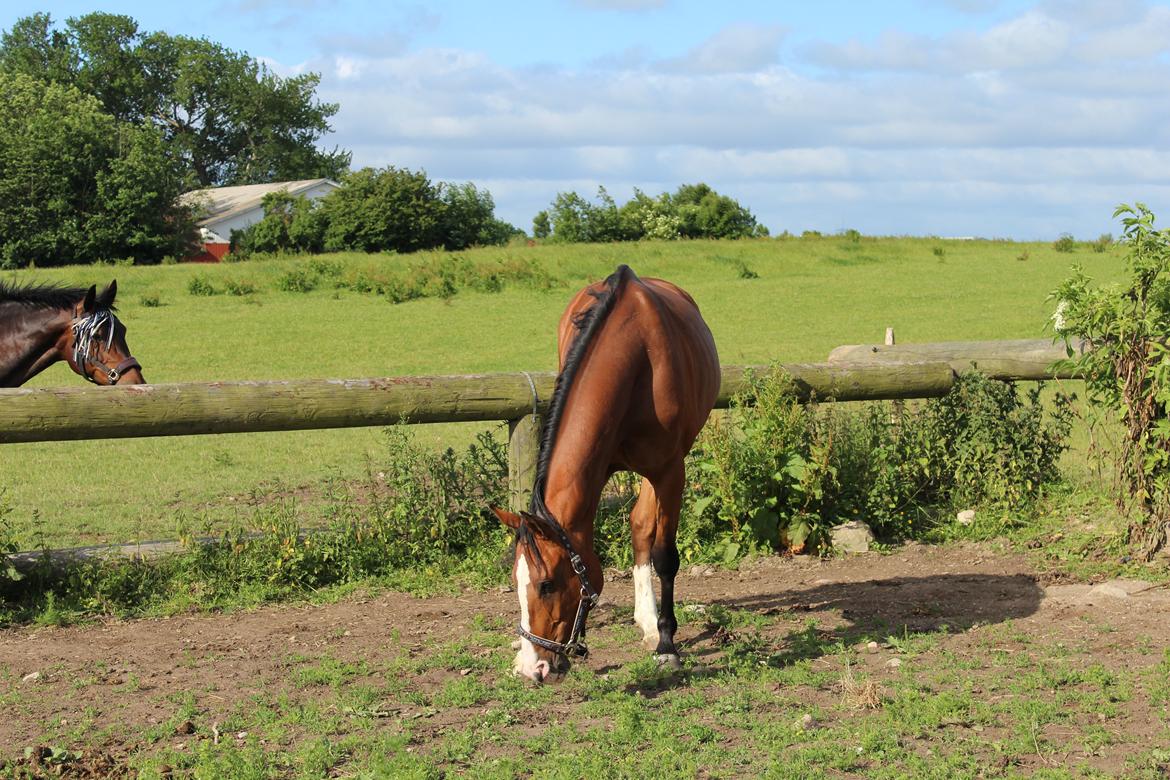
{"x": 654, "y": 524}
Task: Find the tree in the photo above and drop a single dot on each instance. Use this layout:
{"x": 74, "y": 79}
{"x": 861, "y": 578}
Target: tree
{"x": 290, "y": 223}
{"x": 382, "y": 210}
{"x": 230, "y": 119}
{"x": 694, "y": 211}
{"x": 705, "y": 213}
{"x": 469, "y": 218}
{"x": 76, "y": 185}
{"x": 575, "y": 219}
{"x": 541, "y": 225}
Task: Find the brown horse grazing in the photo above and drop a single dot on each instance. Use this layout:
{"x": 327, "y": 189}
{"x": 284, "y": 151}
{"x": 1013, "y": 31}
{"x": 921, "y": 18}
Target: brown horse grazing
{"x": 639, "y": 375}
{"x": 41, "y": 324}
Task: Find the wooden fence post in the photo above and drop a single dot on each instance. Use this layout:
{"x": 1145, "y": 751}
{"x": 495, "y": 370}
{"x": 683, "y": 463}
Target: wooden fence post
{"x": 523, "y": 448}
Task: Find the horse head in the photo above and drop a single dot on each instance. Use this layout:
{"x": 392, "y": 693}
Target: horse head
{"x": 555, "y": 594}
{"x": 95, "y": 344}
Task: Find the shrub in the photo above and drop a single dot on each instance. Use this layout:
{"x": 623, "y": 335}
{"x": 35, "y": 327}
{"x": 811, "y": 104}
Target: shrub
{"x": 774, "y": 472}
{"x": 8, "y": 543}
{"x": 299, "y": 280}
{"x": 1127, "y": 369}
{"x": 1066, "y": 243}
{"x": 239, "y": 287}
{"x": 150, "y": 300}
{"x": 201, "y": 285}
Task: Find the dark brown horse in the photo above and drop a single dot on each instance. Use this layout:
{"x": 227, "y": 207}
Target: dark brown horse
{"x": 41, "y": 324}
{"x": 639, "y": 375}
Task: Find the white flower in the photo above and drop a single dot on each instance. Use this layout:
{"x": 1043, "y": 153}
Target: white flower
{"x": 1058, "y": 321}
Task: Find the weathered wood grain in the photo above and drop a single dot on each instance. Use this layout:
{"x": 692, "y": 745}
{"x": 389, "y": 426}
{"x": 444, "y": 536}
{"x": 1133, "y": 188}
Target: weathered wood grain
{"x": 73, "y": 413}
{"x": 1022, "y": 359}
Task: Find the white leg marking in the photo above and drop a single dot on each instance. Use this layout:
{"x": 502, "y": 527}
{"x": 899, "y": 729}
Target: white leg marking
{"x": 526, "y": 663}
{"x": 645, "y": 607}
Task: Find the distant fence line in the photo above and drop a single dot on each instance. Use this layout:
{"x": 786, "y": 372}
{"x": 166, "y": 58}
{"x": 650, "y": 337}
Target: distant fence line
{"x": 856, "y": 373}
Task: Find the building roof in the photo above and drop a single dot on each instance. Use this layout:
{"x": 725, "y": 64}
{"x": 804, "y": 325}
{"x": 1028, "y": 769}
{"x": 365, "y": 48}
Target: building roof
{"x": 216, "y": 204}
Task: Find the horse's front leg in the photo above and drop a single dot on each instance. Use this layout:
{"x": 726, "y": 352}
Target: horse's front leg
{"x": 654, "y": 524}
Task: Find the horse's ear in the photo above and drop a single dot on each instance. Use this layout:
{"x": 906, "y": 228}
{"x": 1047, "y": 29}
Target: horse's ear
{"x": 87, "y": 304}
{"x": 509, "y": 519}
{"x": 106, "y": 299}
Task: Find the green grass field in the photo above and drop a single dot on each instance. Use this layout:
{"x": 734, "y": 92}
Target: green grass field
{"x": 808, "y": 296}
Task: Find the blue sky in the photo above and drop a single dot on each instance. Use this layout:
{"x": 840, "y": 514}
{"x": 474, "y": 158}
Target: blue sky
{"x": 943, "y": 117}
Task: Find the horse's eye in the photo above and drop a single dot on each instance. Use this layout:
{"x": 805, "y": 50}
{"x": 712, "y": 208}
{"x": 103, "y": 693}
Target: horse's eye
{"x": 546, "y": 587}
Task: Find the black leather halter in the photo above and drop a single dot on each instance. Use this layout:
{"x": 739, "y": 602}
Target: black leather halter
{"x": 86, "y": 336}
{"x": 575, "y": 645}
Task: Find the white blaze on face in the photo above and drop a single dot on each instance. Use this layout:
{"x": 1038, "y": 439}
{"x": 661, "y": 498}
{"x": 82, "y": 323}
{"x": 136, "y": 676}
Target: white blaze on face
{"x": 526, "y": 663}
{"x": 645, "y": 607}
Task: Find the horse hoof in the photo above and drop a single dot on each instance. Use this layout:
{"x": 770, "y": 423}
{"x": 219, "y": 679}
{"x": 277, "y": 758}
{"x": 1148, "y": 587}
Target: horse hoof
{"x": 669, "y": 660}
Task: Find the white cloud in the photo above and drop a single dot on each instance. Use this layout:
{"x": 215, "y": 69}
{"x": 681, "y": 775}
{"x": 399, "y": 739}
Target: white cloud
{"x": 738, "y": 48}
{"x": 1036, "y": 125}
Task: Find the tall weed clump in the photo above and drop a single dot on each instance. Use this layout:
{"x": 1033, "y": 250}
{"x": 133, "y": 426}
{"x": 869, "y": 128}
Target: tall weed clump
{"x": 775, "y": 473}
{"x": 1126, "y": 368}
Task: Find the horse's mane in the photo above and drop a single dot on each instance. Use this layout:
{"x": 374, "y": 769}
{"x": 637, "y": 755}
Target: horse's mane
{"x": 587, "y": 323}
{"x": 41, "y": 296}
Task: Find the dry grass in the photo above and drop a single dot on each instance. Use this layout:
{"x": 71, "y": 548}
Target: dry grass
{"x": 859, "y": 692}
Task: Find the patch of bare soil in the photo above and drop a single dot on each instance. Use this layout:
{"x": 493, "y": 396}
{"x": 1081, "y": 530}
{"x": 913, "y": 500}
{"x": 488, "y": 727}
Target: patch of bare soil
{"x": 113, "y": 688}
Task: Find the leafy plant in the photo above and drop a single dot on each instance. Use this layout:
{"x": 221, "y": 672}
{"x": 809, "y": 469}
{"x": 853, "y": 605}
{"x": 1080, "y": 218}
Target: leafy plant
{"x": 1066, "y": 243}
{"x": 1126, "y": 367}
{"x": 299, "y": 280}
{"x": 774, "y": 472}
{"x": 8, "y": 543}
{"x": 201, "y": 285}
{"x": 239, "y": 286}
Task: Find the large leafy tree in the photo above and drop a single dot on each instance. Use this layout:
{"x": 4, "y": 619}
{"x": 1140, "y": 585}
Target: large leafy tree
{"x": 76, "y": 185}
{"x": 225, "y": 115}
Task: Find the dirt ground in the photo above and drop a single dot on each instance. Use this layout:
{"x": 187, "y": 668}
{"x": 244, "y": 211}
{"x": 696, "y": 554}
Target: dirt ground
{"x": 123, "y": 678}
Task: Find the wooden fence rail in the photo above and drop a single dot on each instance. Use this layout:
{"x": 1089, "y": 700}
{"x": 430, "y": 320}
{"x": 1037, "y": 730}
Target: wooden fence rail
{"x": 853, "y": 373}
{"x": 1020, "y": 359}
{"x": 75, "y": 413}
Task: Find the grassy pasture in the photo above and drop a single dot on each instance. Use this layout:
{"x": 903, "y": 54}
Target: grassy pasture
{"x": 786, "y": 300}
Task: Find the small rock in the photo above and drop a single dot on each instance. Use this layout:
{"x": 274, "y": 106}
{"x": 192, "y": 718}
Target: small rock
{"x": 241, "y": 735}
{"x": 966, "y": 517}
{"x": 464, "y": 672}
{"x": 851, "y": 537}
{"x": 1109, "y": 590}
{"x": 894, "y": 663}
{"x": 31, "y": 677}
{"x": 871, "y": 647}
{"x": 505, "y": 589}
{"x": 186, "y": 727}
{"x": 807, "y": 723}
